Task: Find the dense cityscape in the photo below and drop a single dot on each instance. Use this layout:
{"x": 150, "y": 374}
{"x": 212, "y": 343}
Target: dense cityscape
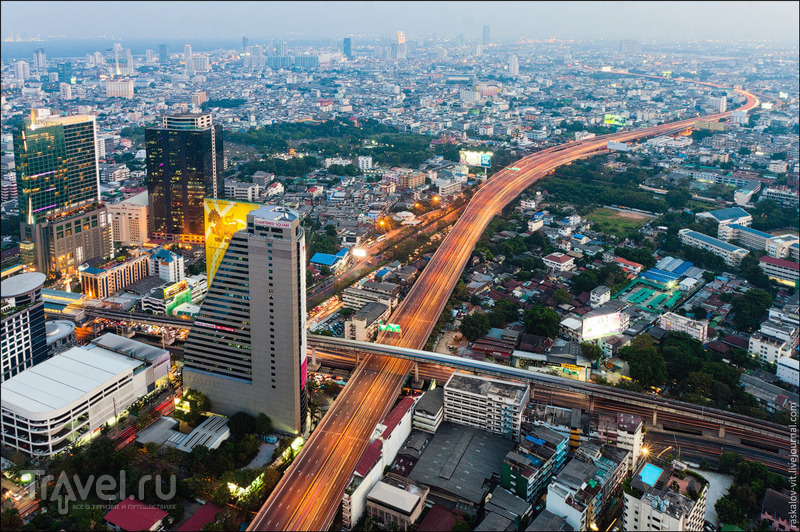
{"x": 464, "y": 279}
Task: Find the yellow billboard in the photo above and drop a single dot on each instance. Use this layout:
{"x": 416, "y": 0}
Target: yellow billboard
{"x": 222, "y": 219}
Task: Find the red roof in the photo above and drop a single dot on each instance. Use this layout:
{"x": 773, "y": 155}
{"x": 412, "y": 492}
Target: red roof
{"x": 396, "y": 415}
{"x": 370, "y": 458}
{"x": 782, "y": 263}
{"x": 205, "y": 515}
{"x": 438, "y": 519}
{"x": 627, "y": 262}
{"x": 560, "y": 259}
{"x": 133, "y": 515}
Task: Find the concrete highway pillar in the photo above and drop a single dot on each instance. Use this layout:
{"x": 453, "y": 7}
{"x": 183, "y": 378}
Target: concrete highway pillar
{"x": 358, "y": 358}
{"x": 416, "y": 371}
{"x": 721, "y": 430}
{"x": 655, "y": 418}
{"x": 313, "y": 356}
{"x": 591, "y": 403}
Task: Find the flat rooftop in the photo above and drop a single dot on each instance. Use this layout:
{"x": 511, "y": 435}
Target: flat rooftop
{"x": 23, "y": 283}
{"x": 479, "y": 385}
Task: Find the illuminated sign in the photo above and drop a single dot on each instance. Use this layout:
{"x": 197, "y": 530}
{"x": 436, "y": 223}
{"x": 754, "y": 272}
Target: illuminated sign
{"x": 614, "y": 120}
{"x": 222, "y": 219}
{"x": 389, "y": 327}
{"x": 212, "y": 326}
{"x": 283, "y": 224}
{"x": 602, "y": 325}
{"x": 174, "y": 289}
{"x": 476, "y": 158}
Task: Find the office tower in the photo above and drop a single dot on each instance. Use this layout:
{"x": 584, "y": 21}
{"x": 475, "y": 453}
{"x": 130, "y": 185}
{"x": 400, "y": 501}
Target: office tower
{"x": 39, "y": 60}
{"x": 184, "y": 165}
{"x": 247, "y": 348}
{"x": 163, "y": 53}
{"x": 283, "y": 49}
{"x": 117, "y": 48}
{"x": 513, "y": 66}
{"x": 22, "y": 70}
{"x": 486, "y": 35}
{"x": 244, "y": 43}
{"x": 629, "y": 46}
{"x": 65, "y": 72}
{"x": 24, "y": 342}
{"x": 150, "y": 56}
{"x": 63, "y": 222}
{"x": 347, "y": 47}
{"x": 188, "y": 58}
{"x": 65, "y": 91}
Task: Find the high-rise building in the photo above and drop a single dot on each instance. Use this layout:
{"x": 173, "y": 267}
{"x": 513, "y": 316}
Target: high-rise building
{"x": 119, "y": 88}
{"x": 163, "y": 53}
{"x": 39, "y": 60}
{"x": 513, "y": 66}
{"x": 282, "y": 49}
{"x": 630, "y": 46}
{"x": 22, "y": 70}
{"x": 24, "y": 342}
{"x": 347, "y": 47}
{"x": 247, "y": 348}
{"x": 244, "y": 43}
{"x": 188, "y": 59}
{"x": 129, "y": 220}
{"x": 184, "y": 166}
{"x": 150, "y": 56}
{"x": 65, "y": 91}
{"x": 486, "y": 35}
{"x": 718, "y": 103}
{"x": 63, "y": 222}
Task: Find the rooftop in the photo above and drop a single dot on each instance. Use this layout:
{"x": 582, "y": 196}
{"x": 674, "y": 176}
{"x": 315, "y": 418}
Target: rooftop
{"x": 394, "y": 497}
{"x": 480, "y": 385}
{"x": 22, "y": 284}
{"x": 710, "y": 240}
{"x": 133, "y": 515}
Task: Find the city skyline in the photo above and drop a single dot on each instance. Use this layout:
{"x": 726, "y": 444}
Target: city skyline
{"x": 584, "y": 20}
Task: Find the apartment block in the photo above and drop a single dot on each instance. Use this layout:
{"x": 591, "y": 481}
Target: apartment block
{"x": 784, "y": 271}
{"x": 732, "y": 255}
{"x": 698, "y": 330}
{"x": 528, "y": 468}
{"x": 112, "y": 277}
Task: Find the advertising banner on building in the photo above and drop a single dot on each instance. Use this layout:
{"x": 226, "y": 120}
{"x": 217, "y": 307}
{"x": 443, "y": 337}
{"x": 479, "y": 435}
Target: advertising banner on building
{"x": 222, "y": 219}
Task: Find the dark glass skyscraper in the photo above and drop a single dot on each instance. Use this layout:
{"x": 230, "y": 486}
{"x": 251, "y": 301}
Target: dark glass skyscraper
{"x": 24, "y": 341}
{"x": 163, "y": 54}
{"x": 247, "y": 348}
{"x": 347, "y": 47}
{"x": 63, "y": 221}
{"x": 184, "y": 166}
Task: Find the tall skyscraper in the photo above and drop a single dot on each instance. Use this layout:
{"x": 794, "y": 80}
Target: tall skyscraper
{"x": 486, "y": 36}
{"x": 630, "y": 46}
{"x": 63, "y": 221}
{"x": 163, "y": 53}
{"x": 244, "y": 43}
{"x": 39, "y": 60}
{"x": 150, "y": 56}
{"x": 184, "y": 166}
{"x": 513, "y": 66}
{"x": 24, "y": 340}
{"x": 247, "y": 348}
{"x": 282, "y": 49}
{"x": 188, "y": 58}
{"x": 347, "y": 47}
{"x": 399, "y": 47}
{"x": 22, "y": 70}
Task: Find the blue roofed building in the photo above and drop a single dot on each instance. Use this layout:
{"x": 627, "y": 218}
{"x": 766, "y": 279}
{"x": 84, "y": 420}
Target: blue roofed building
{"x": 731, "y": 215}
{"x": 527, "y": 469}
{"x": 334, "y": 262}
{"x": 732, "y": 255}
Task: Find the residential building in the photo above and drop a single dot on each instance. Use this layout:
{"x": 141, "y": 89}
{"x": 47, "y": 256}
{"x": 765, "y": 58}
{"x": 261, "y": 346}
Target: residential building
{"x": 587, "y": 484}
{"x": 429, "y": 411}
{"x": 718, "y": 104}
{"x": 364, "y": 162}
{"x": 119, "y": 88}
{"x": 490, "y": 404}
{"x": 599, "y": 296}
{"x": 129, "y": 220}
{"x": 65, "y": 91}
{"x": 659, "y": 499}
{"x": 247, "y": 348}
{"x": 746, "y": 236}
{"x": 782, "y": 270}
{"x": 163, "y": 300}
{"x": 625, "y": 431}
{"x": 539, "y": 455}
{"x": 782, "y": 195}
{"x": 359, "y": 295}
{"x": 167, "y": 265}
{"x": 782, "y": 330}
{"x": 63, "y": 222}
{"x": 412, "y": 180}
{"x": 184, "y": 166}
{"x": 23, "y": 343}
{"x": 242, "y": 191}
{"x": 448, "y": 187}
{"x": 363, "y": 324}
{"x": 788, "y": 370}
{"x": 732, "y": 255}
{"x": 105, "y": 281}
{"x": 559, "y": 262}
{"x": 132, "y": 515}
{"x": 767, "y": 349}
{"x": 396, "y": 502}
{"x": 698, "y": 330}
{"x": 778, "y": 510}
{"x": 70, "y": 396}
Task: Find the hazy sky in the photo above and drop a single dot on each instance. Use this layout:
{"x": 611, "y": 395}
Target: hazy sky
{"x": 612, "y": 20}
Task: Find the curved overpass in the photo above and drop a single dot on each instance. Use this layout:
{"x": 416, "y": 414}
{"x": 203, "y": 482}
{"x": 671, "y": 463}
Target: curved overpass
{"x": 309, "y": 494}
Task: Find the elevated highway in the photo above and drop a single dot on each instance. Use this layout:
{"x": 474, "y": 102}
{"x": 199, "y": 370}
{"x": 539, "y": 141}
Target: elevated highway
{"x": 309, "y": 494}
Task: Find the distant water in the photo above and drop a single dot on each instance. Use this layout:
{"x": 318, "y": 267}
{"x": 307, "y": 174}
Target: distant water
{"x": 59, "y": 48}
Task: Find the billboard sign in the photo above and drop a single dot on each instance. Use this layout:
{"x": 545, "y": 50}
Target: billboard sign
{"x": 476, "y": 158}
{"x": 283, "y": 224}
{"x": 212, "y": 326}
{"x": 222, "y": 219}
{"x": 601, "y": 325}
{"x": 389, "y": 327}
{"x": 614, "y": 120}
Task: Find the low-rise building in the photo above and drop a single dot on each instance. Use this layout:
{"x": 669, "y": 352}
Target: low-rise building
{"x": 361, "y": 294}
{"x": 132, "y": 515}
{"x": 698, "y": 330}
{"x": 659, "y": 499}
{"x": 528, "y": 468}
{"x": 363, "y": 324}
{"x": 783, "y": 271}
{"x": 489, "y": 404}
{"x": 112, "y": 277}
{"x": 559, "y": 262}
{"x": 767, "y": 349}
{"x": 599, "y": 296}
{"x": 788, "y": 370}
{"x": 730, "y": 215}
{"x": 776, "y": 510}
{"x": 397, "y": 502}
{"x": 782, "y": 195}
{"x": 732, "y": 255}
{"x": 625, "y": 431}
{"x": 429, "y": 411}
